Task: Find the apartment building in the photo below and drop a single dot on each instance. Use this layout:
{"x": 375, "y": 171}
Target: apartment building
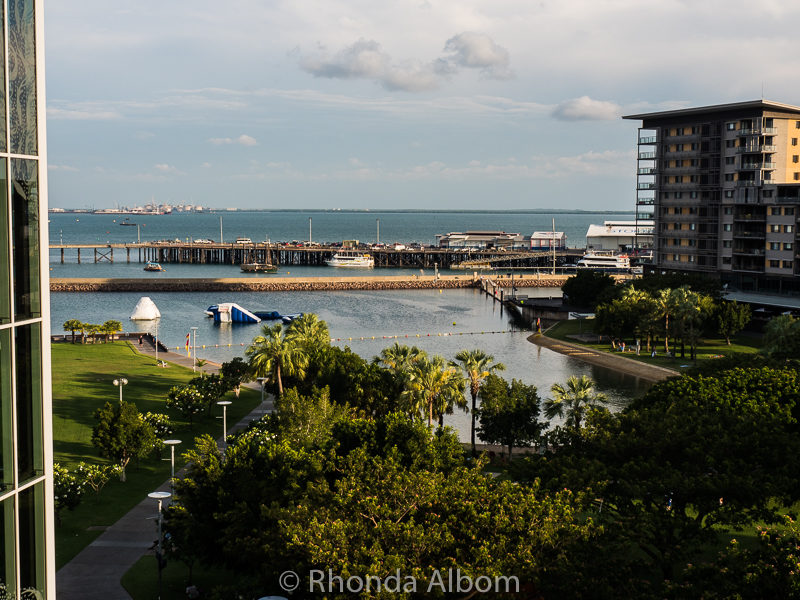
{"x": 27, "y": 548}
{"x": 722, "y": 187}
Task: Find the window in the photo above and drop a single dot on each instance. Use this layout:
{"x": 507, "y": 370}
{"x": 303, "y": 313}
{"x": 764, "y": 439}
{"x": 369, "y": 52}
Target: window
{"x": 786, "y": 264}
{"x": 774, "y": 245}
{"x": 694, "y": 146}
{"x": 729, "y": 193}
{"x": 727, "y": 227}
{"x": 796, "y": 176}
{"x": 775, "y": 264}
{"x": 730, "y": 160}
{"x": 795, "y": 158}
{"x": 794, "y": 141}
{"x": 692, "y": 226}
{"x": 691, "y": 258}
{"x": 730, "y": 126}
{"x": 678, "y": 195}
{"x": 730, "y": 143}
{"x": 727, "y": 243}
{"x": 775, "y": 228}
{"x": 797, "y": 124}
{"x": 788, "y": 211}
{"x": 675, "y": 257}
{"x": 728, "y": 210}
{"x": 692, "y": 195}
{"x": 726, "y": 260}
{"x": 774, "y": 210}
{"x": 788, "y": 228}
{"x": 787, "y": 246}
{"x": 766, "y": 193}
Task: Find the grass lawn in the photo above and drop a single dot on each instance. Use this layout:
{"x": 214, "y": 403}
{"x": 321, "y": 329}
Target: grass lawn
{"x": 82, "y": 382}
{"x": 141, "y": 580}
{"x": 707, "y": 348}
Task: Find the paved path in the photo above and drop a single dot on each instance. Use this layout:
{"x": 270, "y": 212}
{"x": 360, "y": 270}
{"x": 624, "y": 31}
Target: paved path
{"x": 95, "y": 573}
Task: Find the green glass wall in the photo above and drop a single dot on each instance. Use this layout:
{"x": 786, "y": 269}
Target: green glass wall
{"x": 31, "y": 542}
{"x": 8, "y": 550}
{"x": 28, "y": 352}
{"x": 25, "y": 237}
{"x": 5, "y": 260}
{"x": 22, "y": 77}
{"x": 6, "y": 422}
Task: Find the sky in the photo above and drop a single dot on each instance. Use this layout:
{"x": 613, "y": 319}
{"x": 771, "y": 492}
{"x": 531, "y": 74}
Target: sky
{"x": 357, "y": 104}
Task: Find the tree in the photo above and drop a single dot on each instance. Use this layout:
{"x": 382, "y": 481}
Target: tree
{"x": 234, "y": 373}
{"x": 309, "y": 332}
{"x": 91, "y": 329}
{"x": 476, "y": 366}
{"x": 584, "y": 288}
{"x": 211, "y": 389}
{"x": 187, "y": 400}
{"x": 665, "y": 305}
{"x": 782, "y": 337}
{"x": 68, "y": 489}
{"x": 110, "y": 328}
{"x": 399, "y": 358}
{"x": 96, "y": 476}
{"x": 571, "y": 401}
{"x": 509, "y": 413}
{"x": 121, "y": 434}
{"x": 644, "y": 313}
{"x": 732, "y": 317}
{"x": 73, "y": 325}
{"x": 272, "y": 355}
{"x": 434, "y": 388}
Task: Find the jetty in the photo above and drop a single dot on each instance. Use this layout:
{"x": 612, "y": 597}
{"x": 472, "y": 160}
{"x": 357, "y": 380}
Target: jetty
{"x": 237, "y": 253}
{"x": 309, "y": 284}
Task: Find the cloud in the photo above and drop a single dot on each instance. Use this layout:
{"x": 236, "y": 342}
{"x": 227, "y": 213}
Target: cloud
{"x": 242, "y": 140}
{"x": 52, "y": 167}
{"x": 586, "y": 109}
{"x": 165, "y": 169}
{"x": 366, "y": 59}
{"x": 86, "y": 114}
{"x": 478, "y": 51}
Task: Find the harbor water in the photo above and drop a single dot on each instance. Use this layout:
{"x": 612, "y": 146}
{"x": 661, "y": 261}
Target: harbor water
{"x": 438, "y": 321}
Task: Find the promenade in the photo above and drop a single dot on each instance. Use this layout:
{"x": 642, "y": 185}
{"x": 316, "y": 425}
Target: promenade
{"x": 95, "y": 573}
{"x": 306, "y": 284}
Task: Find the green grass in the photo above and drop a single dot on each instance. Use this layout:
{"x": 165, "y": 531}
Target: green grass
{"x": 82, "y": 382}
{"x": 707, "y": 349}
{"x": 141, "y": 580}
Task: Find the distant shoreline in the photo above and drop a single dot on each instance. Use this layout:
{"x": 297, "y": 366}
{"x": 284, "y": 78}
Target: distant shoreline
{"x": 377, "y": 211}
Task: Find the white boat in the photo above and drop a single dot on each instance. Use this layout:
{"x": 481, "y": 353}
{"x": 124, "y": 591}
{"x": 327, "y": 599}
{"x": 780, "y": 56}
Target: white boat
{"x": 604, "y": 260}
{"x": 351, "y": 259}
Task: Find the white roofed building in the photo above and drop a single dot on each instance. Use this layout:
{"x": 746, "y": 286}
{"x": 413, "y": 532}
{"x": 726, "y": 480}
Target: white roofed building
{"x": 545, "y": 240}
{"x": 619, "y": 235}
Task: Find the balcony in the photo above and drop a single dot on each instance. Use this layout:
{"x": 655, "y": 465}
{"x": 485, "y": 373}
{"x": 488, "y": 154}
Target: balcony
{"x": 645, "y": 186}
{"x": 748, "y": 182}
{"x": 758, "y": 131}
{"x": 757, "y": 166}
{"x": 755, "y": 148}
{"x": 754, "y": 235}
{"x": 644, "y": 155}
{"x": 788, "y": 199}
{"x": 647, "y": 171}
{"x": 648, "y": 140}
{"x": 748, "y": 252}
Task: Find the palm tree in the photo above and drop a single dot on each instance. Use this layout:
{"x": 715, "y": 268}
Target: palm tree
{"x": 476, "y": 365}
{"x": 72, "y": 326}
{"x": 399, "y": 358}
{"x": 665, "y": 304}
{"x": 273, "y": 354}
{"x": 434, "y": 387}
{"x": 309, "y": 332}
{"x": 572, "y": 400}
{"x": 110, "y": 328}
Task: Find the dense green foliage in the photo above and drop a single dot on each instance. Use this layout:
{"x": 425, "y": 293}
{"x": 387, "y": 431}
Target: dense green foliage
{"x": 586, "y": 287}
{"x": 509, "y": 413}
{"x": 121, "y": 434}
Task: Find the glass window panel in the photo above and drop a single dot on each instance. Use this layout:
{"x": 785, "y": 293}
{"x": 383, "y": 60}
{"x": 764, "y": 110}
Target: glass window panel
{"x": 5, "y": 259}
{"x": 29, "y": 401}
{"x": 8, "y": 553}
{"x": 6, "y": 423}
{"x": 31, "y": 542}
{"x": 22, "y": 76}
{"x": 25, "y": 227}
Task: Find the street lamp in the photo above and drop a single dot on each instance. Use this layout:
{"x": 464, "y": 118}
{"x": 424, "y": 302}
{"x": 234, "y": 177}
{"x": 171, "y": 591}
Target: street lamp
{"x": 172, "y": 444}
{"x": 156, "y": 342}
{"x": 160, "y": 496}
{"x": 119, "y": 383}
{"x": 262, "y": 381}
{"x": 194, "y": 348}
{"x": 224, "y": 404}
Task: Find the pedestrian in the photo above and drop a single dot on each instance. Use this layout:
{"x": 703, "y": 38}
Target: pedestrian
{"x": 653, "y": 354}
{"x": 622, "y": 346}
{"x": 141, "y": 342}
{"x": 638, "y": 346}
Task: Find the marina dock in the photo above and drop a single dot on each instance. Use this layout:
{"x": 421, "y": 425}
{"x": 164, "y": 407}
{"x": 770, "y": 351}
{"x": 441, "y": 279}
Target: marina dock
{"x": 285, "y": 284}
{"x": 286, "y": 254}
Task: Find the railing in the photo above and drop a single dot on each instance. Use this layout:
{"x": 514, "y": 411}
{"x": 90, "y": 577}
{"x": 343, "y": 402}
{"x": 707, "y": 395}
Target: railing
{"x": 647, "y": 154}
{"x": 757, "y": 165}
{"x": 647, "y": 171}
{"x": 648, "y": 140}
{"x": 748, "y": 182}
{"x": 789, "y": 199}
{"x": 753, "y": 148}
{"x": 758, "y": 131}
{"x": 645, "y": 186}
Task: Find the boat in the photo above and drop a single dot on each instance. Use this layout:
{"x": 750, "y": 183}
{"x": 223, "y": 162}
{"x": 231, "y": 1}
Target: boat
{"x": 127, "y": 222}
{"x": 239, "y": 314}
{"x": 153, "y": 266}
{"x": 259, "y": 268}
{"x": 351, "y": 259}
{"x": 290, "y": 318}
{"x": 604, "y": 260}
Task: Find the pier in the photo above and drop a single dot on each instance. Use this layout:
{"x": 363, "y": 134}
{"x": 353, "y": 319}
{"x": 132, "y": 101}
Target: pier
{"x": 287, "y": 254}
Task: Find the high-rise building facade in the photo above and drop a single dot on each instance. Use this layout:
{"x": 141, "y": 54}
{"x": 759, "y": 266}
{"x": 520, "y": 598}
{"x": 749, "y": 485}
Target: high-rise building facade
{"x": 722, "y": 185}
{"x": 26, "y": 483}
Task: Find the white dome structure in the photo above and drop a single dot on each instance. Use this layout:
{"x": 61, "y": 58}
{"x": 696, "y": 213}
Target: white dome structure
{"x": 146, "y": 310}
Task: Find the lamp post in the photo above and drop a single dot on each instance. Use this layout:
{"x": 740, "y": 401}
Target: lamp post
{"x": 172, "y": 444}
{"x": 156, "y": 342}
{"x": 194, "y": 348}
{"x": 378, "y": 233}
{"x": 262, "y": 381}
{"x": 224, "y": 404}
{"x": 309, "y": 231}
{"x": 160, "y": 496}
{"x": 119, "y": 383}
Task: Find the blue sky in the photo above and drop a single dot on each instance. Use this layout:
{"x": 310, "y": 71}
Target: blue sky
{"x": 471, "y": 104}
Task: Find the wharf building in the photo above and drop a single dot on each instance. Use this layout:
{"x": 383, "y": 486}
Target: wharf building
{"x": 27, "y": 548}
{"x": 722, "y": 186}
{"x": 621, "y": 236}
{"x": 495, "y": 240}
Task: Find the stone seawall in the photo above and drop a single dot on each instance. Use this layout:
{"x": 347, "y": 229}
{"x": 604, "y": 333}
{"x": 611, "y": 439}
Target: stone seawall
{"x": 285, "y": 284}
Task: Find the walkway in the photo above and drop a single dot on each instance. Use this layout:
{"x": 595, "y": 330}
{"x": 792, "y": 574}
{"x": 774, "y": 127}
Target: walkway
{"x": 95, "y": 573}
{"x": 615, "y": 362}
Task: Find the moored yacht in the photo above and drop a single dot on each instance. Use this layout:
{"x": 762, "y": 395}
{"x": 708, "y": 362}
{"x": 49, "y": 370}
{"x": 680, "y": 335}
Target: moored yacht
{"x": 351, "y": 259}
{"x": 604, "y": 260}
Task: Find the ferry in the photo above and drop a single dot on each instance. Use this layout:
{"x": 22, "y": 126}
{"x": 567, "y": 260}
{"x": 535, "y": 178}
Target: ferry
{"x": 604, "y": 260}
{"x": 351, "y": 259}
{"x": 153, "y": 266}
{"x": 259, "y": 268}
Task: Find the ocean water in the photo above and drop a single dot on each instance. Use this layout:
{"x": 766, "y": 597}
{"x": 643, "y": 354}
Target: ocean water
{"x": 440, "y": 322}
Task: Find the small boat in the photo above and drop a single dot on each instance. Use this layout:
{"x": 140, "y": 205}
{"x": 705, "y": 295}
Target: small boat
{"x": 351, "y": 259}
{"x": 128, "y": 222}
{"x": 153, "y": 266}
{"x": 290, "y": 318}
{"x": 259, "y": 268}
{"x": 605, "y": 260}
